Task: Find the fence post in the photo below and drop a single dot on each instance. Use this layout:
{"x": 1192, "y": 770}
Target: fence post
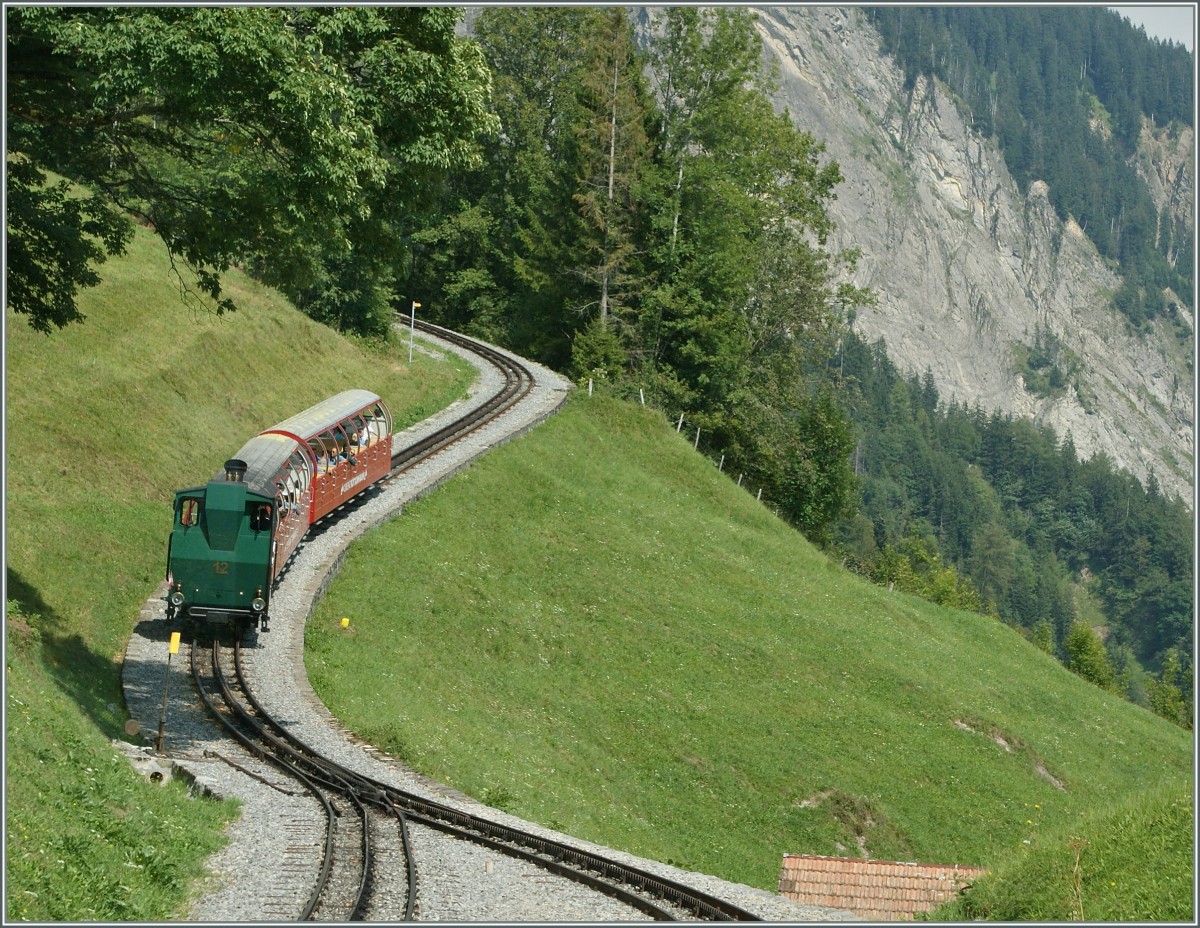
{"x": 642, "y": 394}
{"x": 760, "y": 494}
{"x": 680, "y": 425}
{"x": 740, "y": 476}
{"x": 589, "y": 386}
{"x": 721, "y": 466}
{"x": 697, "y": 443}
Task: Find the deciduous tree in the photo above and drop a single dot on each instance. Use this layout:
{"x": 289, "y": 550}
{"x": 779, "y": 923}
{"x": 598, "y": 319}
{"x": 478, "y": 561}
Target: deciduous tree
{"x": 234, "y": 133}
{"x": 1086, "y": 656}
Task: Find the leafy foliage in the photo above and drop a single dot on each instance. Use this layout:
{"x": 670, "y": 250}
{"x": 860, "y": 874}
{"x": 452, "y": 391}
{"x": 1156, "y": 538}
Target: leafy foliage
{"x": 1086, "y": 657}
{"x": 249, "y": 134}
{"x": 54, "y": 241}
{"x": 1166, "y": 694}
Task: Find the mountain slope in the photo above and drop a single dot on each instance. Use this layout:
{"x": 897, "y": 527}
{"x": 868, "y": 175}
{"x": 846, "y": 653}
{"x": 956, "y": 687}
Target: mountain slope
{"x": 596, "y": 630}
{"x": 965, "y": 267}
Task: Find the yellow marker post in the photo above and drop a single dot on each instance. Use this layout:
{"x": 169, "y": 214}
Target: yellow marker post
{"x": 172, "y": 648}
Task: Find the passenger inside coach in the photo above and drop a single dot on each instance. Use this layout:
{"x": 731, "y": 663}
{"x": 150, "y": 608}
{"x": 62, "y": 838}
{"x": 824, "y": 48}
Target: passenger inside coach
{"x": 287, "y": 496}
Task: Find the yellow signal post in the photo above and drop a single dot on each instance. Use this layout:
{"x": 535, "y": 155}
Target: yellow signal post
{"x": 172, "y": 648}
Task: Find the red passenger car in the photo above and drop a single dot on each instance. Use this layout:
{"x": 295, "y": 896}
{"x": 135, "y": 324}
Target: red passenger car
{"x": 348, "y": 439}
{"x": 231, "y": 538}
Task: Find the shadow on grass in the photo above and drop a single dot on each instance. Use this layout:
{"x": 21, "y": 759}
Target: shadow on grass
{"x": 90, "y": 680}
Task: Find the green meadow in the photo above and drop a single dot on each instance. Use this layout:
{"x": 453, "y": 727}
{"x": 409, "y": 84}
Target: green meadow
{"x": 1128, "y": 861}
{"x": 594, "y": 629}
{"x": 589, "y": 627}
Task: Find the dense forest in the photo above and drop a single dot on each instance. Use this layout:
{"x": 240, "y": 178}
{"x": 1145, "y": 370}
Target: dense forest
{"x": 639, "y": 216}
{"x": 1064, "y": 91}
{"x": 669, "y": 237}
{"x": 989, "y": 512}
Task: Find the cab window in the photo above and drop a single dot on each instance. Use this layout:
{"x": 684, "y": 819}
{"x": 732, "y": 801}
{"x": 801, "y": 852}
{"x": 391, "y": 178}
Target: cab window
{"x": 260, "y": 518}
{"x": 189, "y": 512}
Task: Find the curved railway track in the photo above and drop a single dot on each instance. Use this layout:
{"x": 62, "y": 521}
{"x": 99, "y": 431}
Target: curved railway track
{"x": 341, "y": 889}
{"x": 336, "y": 875}
{"x": 660, "y": 898}
{"x": 518, "y": 381}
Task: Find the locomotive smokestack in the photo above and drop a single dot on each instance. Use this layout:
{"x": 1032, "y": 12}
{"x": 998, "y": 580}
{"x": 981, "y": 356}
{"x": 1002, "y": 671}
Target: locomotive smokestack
{"x": 235, "y": 470}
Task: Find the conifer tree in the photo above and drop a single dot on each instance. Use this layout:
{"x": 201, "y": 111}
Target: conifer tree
{"x": 613, "y": 150}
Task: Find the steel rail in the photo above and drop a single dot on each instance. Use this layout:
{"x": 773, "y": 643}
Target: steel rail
{"x": 362, "y": 893}
{"x": 330, "y": 775}
{"x": 518, "y": 382}
{"x": 258, "y": 749}
{"x": 564, "y": 859}
{"x": 337, "y": 776}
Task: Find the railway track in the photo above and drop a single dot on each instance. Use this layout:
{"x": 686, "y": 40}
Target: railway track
{"x": 343, "y": 861}
{"x": 518, "y": 381}
{"x": 364, "y": 861}
{"x": 342, "y": 886}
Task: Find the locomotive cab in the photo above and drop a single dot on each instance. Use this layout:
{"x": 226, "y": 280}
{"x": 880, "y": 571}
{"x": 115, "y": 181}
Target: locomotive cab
{"x": 220, "y": 551}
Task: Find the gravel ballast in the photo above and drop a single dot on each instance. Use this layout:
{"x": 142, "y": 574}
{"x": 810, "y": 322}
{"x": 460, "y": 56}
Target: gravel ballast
{"x": 278, "y": 823}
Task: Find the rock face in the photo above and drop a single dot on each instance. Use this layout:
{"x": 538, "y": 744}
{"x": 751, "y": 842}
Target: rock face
{"x": 966, "y": 268}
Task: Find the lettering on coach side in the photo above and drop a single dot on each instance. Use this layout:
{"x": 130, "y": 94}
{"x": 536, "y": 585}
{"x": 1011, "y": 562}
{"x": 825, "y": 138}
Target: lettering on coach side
{"x": 354, "y": 481}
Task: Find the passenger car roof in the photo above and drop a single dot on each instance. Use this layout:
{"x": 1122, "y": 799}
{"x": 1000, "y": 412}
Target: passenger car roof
{"x": 326, "y": 414}
{"x": 264, "y": 456}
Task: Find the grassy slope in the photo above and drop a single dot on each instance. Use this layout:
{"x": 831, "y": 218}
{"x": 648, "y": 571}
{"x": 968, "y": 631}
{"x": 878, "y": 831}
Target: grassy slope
{"x": 1132, "y": 861}
{"x": 645, "y": 573}
{"x": 104, "y": 421}
{"x": 595, "y": 630}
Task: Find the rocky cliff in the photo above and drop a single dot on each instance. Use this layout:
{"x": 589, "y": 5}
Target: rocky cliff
{"x": 967, "y": 268}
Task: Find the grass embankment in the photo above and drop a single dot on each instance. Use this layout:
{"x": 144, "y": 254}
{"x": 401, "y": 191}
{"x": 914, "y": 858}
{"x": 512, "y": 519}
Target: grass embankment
{"x": 594, "y": 629}
{"x": 105, "y": 420}
{"x": 1124, "y": 863}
